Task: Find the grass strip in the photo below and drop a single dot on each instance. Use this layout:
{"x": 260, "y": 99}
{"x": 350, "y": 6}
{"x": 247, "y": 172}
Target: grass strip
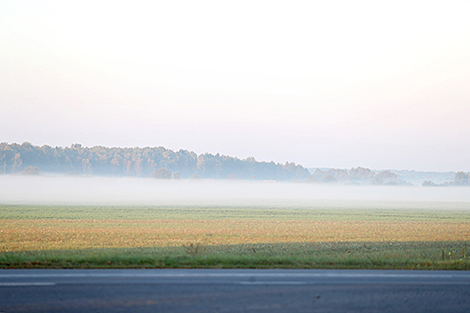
{"x": 345, "y": 255}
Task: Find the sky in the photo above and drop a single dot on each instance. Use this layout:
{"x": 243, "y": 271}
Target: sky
{"x": 378, "y": 84}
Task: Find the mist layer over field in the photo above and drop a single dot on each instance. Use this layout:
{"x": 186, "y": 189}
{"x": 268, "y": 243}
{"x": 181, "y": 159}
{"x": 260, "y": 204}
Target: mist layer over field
{"x": 147, "y": 191}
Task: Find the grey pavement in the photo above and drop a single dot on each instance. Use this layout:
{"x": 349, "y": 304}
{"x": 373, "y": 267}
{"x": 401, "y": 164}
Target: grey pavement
{"x": 231, "y": 290}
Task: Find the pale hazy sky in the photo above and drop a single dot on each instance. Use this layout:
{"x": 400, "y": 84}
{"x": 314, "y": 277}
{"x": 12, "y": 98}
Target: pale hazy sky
{"x": 379, "y": 84}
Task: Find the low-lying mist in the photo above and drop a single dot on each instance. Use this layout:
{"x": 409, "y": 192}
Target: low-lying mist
{"x": 148, "y": 191}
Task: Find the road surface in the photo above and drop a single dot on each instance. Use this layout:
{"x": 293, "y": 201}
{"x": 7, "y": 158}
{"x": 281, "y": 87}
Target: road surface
{"x": 193, "y": 290}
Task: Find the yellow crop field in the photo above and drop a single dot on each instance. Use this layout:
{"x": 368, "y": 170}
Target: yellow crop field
{"x": 52, "y": 234}
{"x": 233, "y": 237}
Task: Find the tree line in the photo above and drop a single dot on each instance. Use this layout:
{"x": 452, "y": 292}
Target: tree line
{"x": 158, "y": 162}
{"x": 360, "y": 176}
{"x": 162, "y": 163}
{"x": 356, "y": 175}
{"x": 460, "y": 179}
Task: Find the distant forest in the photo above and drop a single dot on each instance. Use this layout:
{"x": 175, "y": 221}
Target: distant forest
{"x": 162, "y": 163}
{"x": 158, "y": 162}
{"x": 361, "y": 176}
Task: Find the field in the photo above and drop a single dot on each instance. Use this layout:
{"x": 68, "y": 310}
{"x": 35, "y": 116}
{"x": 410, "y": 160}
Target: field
{"x": 239, "y": 237}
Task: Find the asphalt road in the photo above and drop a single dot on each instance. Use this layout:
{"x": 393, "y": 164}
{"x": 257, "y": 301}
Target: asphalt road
{"x": 234, "y": 291}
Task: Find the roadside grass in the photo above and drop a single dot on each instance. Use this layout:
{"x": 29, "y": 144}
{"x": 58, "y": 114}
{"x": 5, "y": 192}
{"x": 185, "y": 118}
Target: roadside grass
{"x": 343, "y": 255}
{"x": 234, "y": 237}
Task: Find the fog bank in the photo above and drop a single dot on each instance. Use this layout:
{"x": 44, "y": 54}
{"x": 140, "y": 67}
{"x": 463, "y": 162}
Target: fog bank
{"x": 147, "y": 191}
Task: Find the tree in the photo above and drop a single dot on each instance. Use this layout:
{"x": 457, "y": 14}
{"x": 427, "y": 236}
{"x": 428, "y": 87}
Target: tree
{"x": 16, "y": 163}
{"x": 31, "y": 170}
{"x": 311, "y": 179}
{"x": 385, "y": 177}
{"x": 86, "y": 166}
{"x": 360, "y": 173}
{"x": 329, "y": 179}
{"x": 461, "y": 179}
{"x": 162, "y": 173}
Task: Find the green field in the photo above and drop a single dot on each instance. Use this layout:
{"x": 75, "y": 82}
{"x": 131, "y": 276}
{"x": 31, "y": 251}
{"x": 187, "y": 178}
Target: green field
{"x": 420, "y": 236}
